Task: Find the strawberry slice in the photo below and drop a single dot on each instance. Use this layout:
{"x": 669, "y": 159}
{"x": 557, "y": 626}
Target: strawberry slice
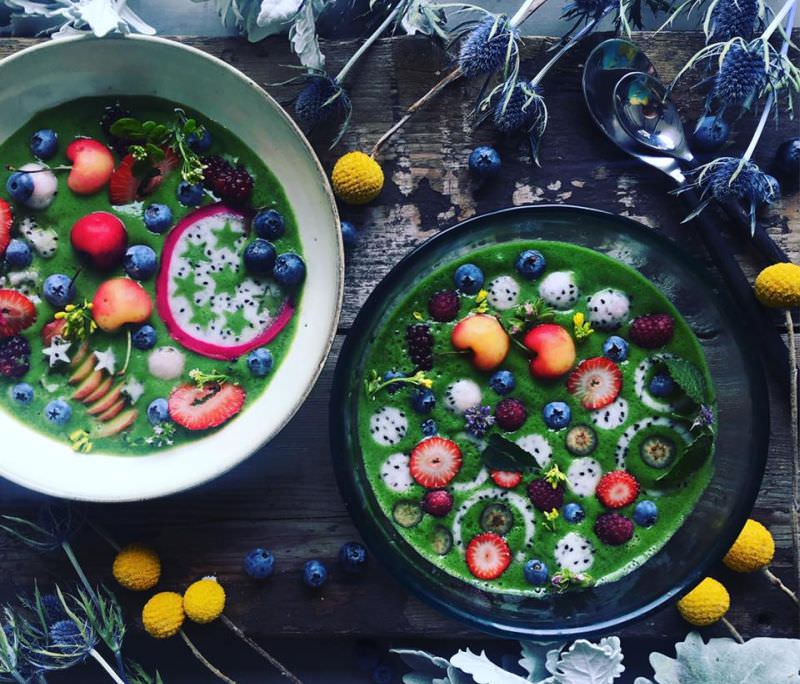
{"x": 617, "y": 489}
{"x": 434, "y": 462}
{"x": 6, "y": 219}
{"x": 209, "y": 406}
{"x": 17, "y": 312}
{"x": 507, "y": 479}
{"x": 596, "y": 382}
{"x": 488, "y": 556}
{"x": 126, "y": 186}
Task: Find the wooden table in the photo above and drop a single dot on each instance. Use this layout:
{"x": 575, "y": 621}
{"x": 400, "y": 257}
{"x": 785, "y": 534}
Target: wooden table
{"x": 285, "y": 497}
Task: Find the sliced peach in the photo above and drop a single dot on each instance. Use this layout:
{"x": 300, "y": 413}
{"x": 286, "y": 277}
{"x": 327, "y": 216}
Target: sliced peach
{"x": 122, "y": 422}
{"x": 104, "y": 403}
{"x": 113, "y": 411}
{"x": 487, "y": 339}
{"x": 83, "y": 371}
{"x": 89, "y": 385}
{"x": 79, "y": 355}
{"x": 100, "y": 392}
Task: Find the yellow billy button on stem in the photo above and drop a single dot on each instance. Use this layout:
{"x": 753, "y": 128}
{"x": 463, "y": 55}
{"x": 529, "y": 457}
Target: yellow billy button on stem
{"x": 357, "y": 178}
{"x": 137, "y": 567}
{"x": 706, "y": 604}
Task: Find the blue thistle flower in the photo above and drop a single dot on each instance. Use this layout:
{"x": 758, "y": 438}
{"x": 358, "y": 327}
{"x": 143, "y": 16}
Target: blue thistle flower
{"x": 742, "y": 75}
{"x": 478, "y": 419}
{"x": 52, "y": 607}
{"x": 586, "y": 10}
{"x": 522, "y": 109}
{"x": 69, "y": 640}
{"x": 487, "y": 47}
{"x": 321, "y": 99}
{"x": 734, "y": 19}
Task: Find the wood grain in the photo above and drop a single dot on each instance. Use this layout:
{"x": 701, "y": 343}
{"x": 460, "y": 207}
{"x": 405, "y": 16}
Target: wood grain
{"x": 285, "y": 497}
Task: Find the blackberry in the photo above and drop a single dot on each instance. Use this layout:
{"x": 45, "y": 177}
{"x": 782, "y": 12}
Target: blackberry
{"x": 229, "y": 183}
{"x": 111, "y": 114}
{"x": 420, "y": 346}
{"x": 15, "y": 356}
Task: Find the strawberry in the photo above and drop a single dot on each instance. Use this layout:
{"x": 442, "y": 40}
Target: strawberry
{"x": 6, "y": 219}
{"x": 126, "y": 186}
{"x": 488, "y": 556}
{"x": 596, "y": 382}
{"x": 209, "y": 406}
{"x": 617, "y": 489}
{"x": 507, "y": 479}
{"x": 434, "y": 462}
{"x": 17, "y": 312}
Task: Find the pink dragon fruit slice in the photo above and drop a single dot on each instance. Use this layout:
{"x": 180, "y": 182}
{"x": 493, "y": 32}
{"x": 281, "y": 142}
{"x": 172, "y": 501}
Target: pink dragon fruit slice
{"x": 208, "y": 302}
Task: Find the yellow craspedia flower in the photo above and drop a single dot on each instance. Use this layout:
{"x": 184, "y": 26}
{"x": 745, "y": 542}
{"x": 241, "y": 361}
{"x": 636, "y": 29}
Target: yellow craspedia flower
{"x": 357, "y": 178}
{"x": 752, "y": 550}
{"x": 137, "y": 567}
{"x": 778, "y": 286}
{"x": 204, "y": 600}
{"x": 705, "y": 604}
{"x": 162, "y": 615}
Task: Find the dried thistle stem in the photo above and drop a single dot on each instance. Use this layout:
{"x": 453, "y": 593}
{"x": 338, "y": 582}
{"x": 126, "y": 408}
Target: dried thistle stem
{"x": 258, "y": 649}
{"x": 794, "y": 513}
{"x": 106, "y": 666}
{"x": 525, "y": 11}
{"x": 775, "y": 581}
{"x": 196, "y": 652}
{"x": 734, "y": 632}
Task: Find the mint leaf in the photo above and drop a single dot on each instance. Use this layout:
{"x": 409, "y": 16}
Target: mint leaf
{"x": 687, "y": 376}
{"x": 694, "y": 456}
{"x": 503, "y": 454}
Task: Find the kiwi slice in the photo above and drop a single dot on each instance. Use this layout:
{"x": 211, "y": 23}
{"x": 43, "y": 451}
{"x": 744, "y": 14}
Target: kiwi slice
{"x": 407, "y": 513}
{"x": 442, "y": 540}
{"x": 658, "y": 451}
{"x": 497, "y": 518}
{"x": 581, "y": 440}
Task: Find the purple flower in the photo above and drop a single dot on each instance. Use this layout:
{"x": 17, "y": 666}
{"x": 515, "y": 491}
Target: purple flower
{"x": 479, "y": 419}
{"x": 704, "y": 417}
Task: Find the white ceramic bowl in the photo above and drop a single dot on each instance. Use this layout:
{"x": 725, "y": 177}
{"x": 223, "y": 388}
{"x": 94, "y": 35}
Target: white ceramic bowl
{"x": 54, "y": 72}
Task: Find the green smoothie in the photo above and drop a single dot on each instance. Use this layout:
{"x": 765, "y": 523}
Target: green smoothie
{"x": 520, "y": 498}
{"x": 132, "y": 372}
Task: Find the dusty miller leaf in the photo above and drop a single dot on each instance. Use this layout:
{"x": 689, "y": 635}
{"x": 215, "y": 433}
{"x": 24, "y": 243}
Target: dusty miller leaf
{"x": 534, "y": 655}
{"x": 71, "y": 17}
{"x": 423, "y": 662}
{"x": 303, "y": 37}
{"x": 588, "y": 663}
{"x": 275, "y": 16}
{"x": 483, "y": 670}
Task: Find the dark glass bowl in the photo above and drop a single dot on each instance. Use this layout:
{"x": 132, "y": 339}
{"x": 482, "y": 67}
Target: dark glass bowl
{"x": 741, "y": 449}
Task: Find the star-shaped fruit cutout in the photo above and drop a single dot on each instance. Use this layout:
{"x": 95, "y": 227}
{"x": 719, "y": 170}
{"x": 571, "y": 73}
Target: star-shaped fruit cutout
{"x": 202, "y": 316}
{"x": 226, "y": 280}
{"x": 106, "y": 360}
{"x": 236, "y": 321}
{"x": 57, "y": 351}
{"x": 186, "y": 287}
{"x": 227, "y": 237}
{"x": 195, "y": 253}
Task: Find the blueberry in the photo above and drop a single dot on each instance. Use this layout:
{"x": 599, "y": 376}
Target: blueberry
{"x": 58, "y": 412}
{"x": 349, "y": 234}
{"x": 18, "y": 254}
{"x": 190, "y": 195}
{"x": 383, "y": 674}
{"x": 290, "y": 269}
{"x": 391, "y": 375}
{"x": 158, "y": 218}
{"x": 503, "y": 382}
{"x": 423, "y": 400}
{"x": 573, "y": 513}
{"x": 259, "y": 257}
{"x": 22, "y": 393}
{"x": 786, "y": 165}
{"x": 535, "y": 572}
{"x": 530, "y": 264}
{"x": 314, "y": 574}
{"x": 615, "y": 348}
{"x": 645, "y": 514}
{"x": 710, "y": 133}
{"x": 158, "y": 411}
{"x": 556, "y": 415}
{"x": 200, "y": 143}
{"x": 468, "y": 278}
{"x": 429, "y": 427}
{"x": 353, "y": 557}
{"x": 20, "y": 186}
{"x": 144, "y": 337}
{"x": 484, "y": 162}
{"x": 662, "y": 385}
{"x": 269, "y": 224}
{"x": 44, "y": 143}
{"x": 259, "y": 563}
{"x": 260, "y": 361}
{"x": 140, "y": 262}
{"x": 58, "y": 290}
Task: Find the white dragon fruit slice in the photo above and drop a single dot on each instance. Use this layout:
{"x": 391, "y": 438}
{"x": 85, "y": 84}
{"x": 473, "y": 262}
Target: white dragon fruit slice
{"x": 462, "y": 395}
{"x": 574, "y": 552}
{"x": 611, "y": 416}
{"x": 538, "y": 447}
{"x": 208, "y": 302}
{"x": 559, "y": 290}
{"x": 608, "y": 308}
{"x": 43, "y": 240}
{"x": 503, "y": 293}
{"x": 583, "y": 475}
{"x": 396, "y": 474}
{"x": 388, "y": 425}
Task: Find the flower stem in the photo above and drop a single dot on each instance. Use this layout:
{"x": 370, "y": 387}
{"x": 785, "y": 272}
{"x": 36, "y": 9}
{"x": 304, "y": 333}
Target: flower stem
{"x": 775, "y": 581}
{"x": 17, "y": 677}
{"x": 734, "y": 632}
{"x": 196, "y": 652}
{"x": 793, "y": 417}
{"x": 788, "y": 6}
{"x": 121, "y": 665}
{"x": 105, "y": 666}
{"x": 526, "y": 9}
{"x": 252, "y": 644}
{"x": 78, "y": 570}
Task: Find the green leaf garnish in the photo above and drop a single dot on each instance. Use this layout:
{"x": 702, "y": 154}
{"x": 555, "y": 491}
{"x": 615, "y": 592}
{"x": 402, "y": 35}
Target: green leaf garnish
{"x": 692, "y": 459}
{"x": 202, "y": 378}
{"x": 687, "y": 376}
{"x": 375, "y": 383}
{"x": 502, "y": 454}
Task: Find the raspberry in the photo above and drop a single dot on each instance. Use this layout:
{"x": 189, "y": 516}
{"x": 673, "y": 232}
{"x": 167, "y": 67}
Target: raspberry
{"x": 544, "y": 496}
{"x": 613, "y": 529}
{"x": 437, "y": 502}
{"x": 420, "y": 346}
{"x": 229, "y": 183}
{"x": 443, "y": 306}
{"x": 15, "y": 353}
{"x": 510, "y": 415}
{"x": 652, "y": 331}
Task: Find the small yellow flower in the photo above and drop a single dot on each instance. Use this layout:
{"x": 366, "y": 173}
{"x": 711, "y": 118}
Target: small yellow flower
{"x": 778, "y": 286}
{"x": 137, "y": 567}
{"x": 705, "y": 604}
{"x": 554, "y": 476}
{"x": 582, "y": 328}
{"x": 204, "y": 600}
{"x": 426, "y": 382}
{"x": 482, "y": 296}
{"x": 163, "y": 616}
{"x": 417, "y": 315}
{"x": 752, "y": 550}
{"x": 357, "y": 178}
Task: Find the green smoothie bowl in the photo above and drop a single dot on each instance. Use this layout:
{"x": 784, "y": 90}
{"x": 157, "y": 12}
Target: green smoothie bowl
{"x": 549, "y": 421}
{"x": 170, "y": 268}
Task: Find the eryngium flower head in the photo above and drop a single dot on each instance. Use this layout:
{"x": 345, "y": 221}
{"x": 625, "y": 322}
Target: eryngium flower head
{"x": 521, "y": 110}
{"x": 734, "y": 18}
{"x": 478, "y": 420}
{"x": 486, "y": 48}
{"x": 750, "y": 184}
{"x": 321, "y": 99}
{"x": 742, "y": 75}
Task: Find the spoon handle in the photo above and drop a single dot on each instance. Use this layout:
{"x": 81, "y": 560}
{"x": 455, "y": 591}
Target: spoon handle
{"x": 769, "y": 250}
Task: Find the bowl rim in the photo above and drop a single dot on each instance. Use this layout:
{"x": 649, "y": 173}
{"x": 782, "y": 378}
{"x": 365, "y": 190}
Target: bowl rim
{"x": 159, "y": 487}
{"x": 380, "y": 544}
